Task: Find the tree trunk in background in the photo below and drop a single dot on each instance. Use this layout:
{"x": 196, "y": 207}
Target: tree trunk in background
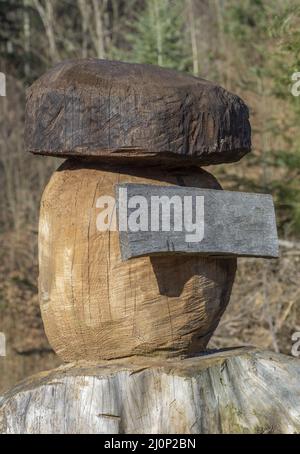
{"x": 159, "y": 41}
{"x": 47, "y": 16}
{"x": 191, "y": 16}
{"x": 26, "y": 29}
{"x": 219, "y": 8}
{"x": 84, "y": 9}
{"x": 99, "y": 38}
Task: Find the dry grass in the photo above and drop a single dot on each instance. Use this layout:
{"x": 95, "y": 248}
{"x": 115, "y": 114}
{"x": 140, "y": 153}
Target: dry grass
{"x": 264, "y": 309}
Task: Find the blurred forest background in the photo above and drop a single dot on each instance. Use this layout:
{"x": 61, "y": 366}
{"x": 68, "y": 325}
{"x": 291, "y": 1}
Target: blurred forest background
{"x": 251, "y": 47}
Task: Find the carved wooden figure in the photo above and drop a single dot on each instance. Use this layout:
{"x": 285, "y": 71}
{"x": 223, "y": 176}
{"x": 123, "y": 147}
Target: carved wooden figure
{"x": 136, "y": 309}
{"x": 127, "y": 124}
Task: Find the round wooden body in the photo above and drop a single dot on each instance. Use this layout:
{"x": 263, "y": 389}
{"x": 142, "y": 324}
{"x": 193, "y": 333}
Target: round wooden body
{"x": 96, "y": 306}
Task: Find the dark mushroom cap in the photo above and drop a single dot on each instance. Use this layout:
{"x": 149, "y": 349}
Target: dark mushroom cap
{"x": 114, "y": 110}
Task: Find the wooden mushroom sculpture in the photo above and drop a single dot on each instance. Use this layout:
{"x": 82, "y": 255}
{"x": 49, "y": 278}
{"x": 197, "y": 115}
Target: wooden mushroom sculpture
{"x": 127, "y": 123}
{"x": 132, "y": 299}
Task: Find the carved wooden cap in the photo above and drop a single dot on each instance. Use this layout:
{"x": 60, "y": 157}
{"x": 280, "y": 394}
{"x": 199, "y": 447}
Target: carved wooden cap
{"x": 113, "y": 110}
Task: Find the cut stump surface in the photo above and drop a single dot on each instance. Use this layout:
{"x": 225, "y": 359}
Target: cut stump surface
{"x": 234, "y": 391}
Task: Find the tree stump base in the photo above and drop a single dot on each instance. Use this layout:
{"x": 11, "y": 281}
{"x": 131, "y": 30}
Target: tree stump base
{"x": 240, "y": 390}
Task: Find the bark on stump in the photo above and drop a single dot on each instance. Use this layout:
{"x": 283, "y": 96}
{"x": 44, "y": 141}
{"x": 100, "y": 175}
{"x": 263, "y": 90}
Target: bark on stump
{"x": 236, "y": 391}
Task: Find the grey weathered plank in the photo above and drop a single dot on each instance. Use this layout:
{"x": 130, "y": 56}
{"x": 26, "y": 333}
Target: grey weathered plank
{"x": 235, "y": 224}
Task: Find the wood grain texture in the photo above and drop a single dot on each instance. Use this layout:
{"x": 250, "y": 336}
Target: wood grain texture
{"x": 235, "y": 223}
{"x": 114, "y": 110}
{"x": 237, "y": 391}
{"x": 96, "y": 306}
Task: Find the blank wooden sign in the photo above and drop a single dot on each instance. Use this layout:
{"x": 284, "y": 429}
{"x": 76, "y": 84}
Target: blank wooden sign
{"x": 175, "y": 219}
